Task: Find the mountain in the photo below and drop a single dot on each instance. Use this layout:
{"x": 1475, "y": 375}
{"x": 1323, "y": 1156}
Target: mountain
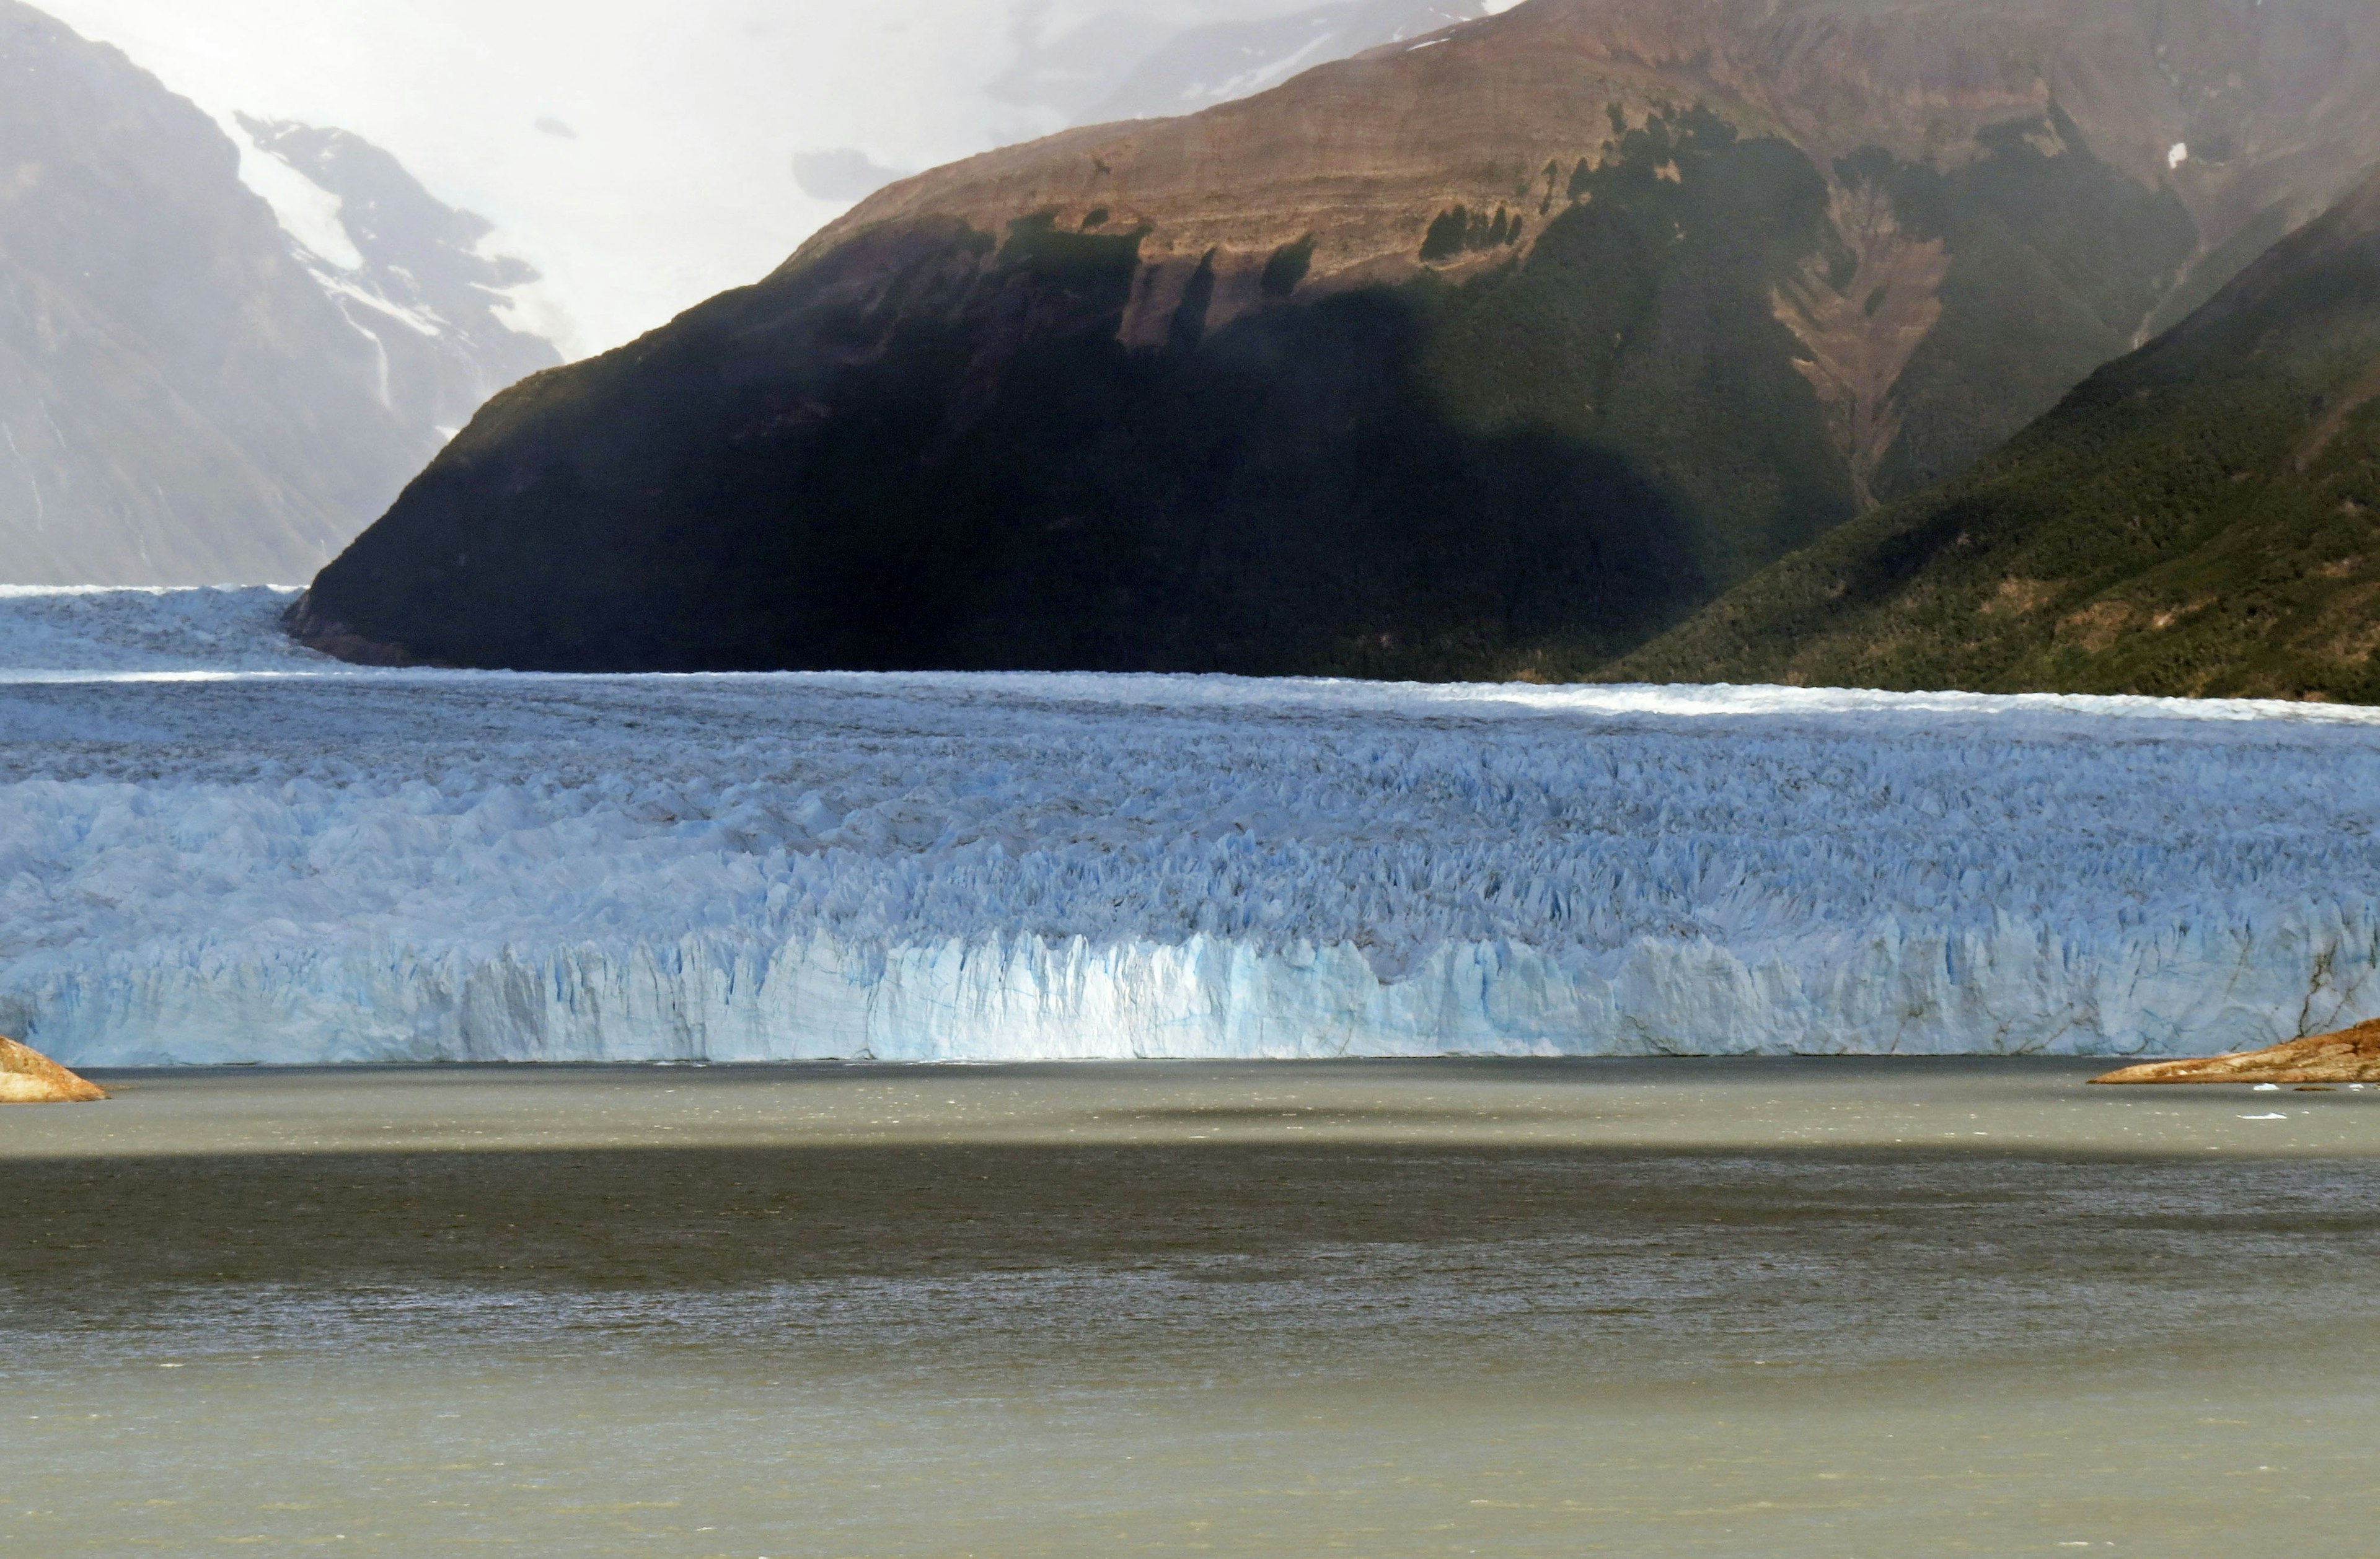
{"x": 184, "y": 394}
{"x": 413, "y": 277}
{"x": 2200, "y": 519}
{"x": 1491, "y": 353}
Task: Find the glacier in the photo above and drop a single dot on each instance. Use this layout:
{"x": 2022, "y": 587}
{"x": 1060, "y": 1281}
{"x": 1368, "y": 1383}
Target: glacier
{"x": 216, "y": 847}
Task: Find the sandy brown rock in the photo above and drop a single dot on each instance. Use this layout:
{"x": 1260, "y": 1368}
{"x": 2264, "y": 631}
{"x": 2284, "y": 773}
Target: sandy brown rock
{"x": 2349, "y": 1055}
{"x": 27, "y": 1076}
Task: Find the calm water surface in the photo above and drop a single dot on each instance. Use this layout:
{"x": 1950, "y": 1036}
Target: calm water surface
{"x": 1757, "y": 1308}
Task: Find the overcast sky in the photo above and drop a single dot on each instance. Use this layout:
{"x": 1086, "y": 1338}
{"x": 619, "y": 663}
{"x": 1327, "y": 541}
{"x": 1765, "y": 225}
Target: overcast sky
{"x": 638, "y": 151}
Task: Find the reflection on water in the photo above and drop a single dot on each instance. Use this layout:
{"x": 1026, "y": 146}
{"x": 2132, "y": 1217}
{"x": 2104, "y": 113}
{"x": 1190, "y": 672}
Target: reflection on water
{"x": 1680, "y": 1308}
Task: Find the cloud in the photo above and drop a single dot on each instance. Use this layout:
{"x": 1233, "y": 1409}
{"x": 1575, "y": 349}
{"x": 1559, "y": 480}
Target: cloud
{"x": 844, "y": 174}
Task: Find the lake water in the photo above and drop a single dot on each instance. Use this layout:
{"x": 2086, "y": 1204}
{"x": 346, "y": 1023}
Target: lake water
{"x": 1771, "y": 1308}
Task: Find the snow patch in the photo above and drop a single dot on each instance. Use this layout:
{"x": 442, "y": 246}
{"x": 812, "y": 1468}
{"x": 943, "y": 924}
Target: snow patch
{"x": 308, "y": 213}
{"x": 343, "y": 292}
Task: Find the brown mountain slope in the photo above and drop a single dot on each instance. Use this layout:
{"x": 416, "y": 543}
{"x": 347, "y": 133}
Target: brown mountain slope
{"x": 1490, "y": 354}
{"x": 2276, "y": 106}
{"x": 2200, "y": 519}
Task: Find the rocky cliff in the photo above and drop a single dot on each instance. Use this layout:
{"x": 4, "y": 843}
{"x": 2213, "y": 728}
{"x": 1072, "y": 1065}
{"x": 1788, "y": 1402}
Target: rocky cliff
{"x": 27, "y": 1076}
{"x": 187, "y": 395}
{"x": 2202, "y": 518}
{"x": 1490, "y": 353}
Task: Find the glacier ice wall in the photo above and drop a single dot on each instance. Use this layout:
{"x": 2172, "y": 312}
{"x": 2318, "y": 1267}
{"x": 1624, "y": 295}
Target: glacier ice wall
{"x": 216, "y": 848}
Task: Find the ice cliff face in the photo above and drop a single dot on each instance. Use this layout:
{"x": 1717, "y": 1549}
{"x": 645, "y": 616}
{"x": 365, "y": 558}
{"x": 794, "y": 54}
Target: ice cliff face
{"x": 214, "y": 848}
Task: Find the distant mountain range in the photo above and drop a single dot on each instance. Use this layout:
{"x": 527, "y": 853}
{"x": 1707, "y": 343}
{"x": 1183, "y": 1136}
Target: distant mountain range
{"x": 2202, "y": 518}
{"x": 190, "y": 390}
{"x": 1495, "y": 352}
{"x": 414, "y": 279}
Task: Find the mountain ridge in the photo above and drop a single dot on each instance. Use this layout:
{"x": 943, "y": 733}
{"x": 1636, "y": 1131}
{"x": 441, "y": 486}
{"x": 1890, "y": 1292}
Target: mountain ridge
{"x": 1769, "y": 68}
{"x": 1670, "y": 289}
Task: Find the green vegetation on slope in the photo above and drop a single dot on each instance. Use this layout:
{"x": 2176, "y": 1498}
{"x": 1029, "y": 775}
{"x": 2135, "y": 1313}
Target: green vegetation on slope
{"x": 2057, "y": 262}
{"x": 1645, "y": 321}
{"x": 2201, "y": 518}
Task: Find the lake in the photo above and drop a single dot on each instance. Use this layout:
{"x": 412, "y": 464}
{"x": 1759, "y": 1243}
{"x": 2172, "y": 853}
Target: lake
{"x": 1757, "y": 1307}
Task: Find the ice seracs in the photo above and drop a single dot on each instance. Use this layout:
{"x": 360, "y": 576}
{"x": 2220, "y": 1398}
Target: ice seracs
{"x": 214, "y": 847}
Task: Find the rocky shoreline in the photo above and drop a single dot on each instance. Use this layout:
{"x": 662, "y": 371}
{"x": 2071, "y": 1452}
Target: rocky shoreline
{"x": 2349, "y": 1055}
{"x": 27, "y": 1076}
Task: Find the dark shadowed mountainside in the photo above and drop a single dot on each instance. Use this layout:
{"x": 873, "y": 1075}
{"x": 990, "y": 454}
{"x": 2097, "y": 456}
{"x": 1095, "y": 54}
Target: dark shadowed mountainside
{"x": 182, "y": 399}
{"x": 2200, "y": 519}
{"x": 1489, "y": 353}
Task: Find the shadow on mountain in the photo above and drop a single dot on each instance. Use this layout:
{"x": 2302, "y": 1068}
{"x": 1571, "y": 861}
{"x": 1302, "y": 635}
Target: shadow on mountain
{"x": 904, "y": 457}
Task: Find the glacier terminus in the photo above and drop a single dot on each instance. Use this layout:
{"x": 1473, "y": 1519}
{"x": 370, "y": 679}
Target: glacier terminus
{"x": 215, "y": 847}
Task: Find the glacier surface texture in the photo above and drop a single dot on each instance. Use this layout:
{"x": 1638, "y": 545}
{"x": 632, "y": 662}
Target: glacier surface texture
{"x": 217, "y": 848}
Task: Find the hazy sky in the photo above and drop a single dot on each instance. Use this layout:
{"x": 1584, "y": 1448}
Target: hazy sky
{"x": 663, "y": 172}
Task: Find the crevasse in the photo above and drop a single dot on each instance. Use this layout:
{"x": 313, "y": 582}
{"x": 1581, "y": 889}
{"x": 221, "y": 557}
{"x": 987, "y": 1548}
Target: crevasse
{"x": 214, "y": 848}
